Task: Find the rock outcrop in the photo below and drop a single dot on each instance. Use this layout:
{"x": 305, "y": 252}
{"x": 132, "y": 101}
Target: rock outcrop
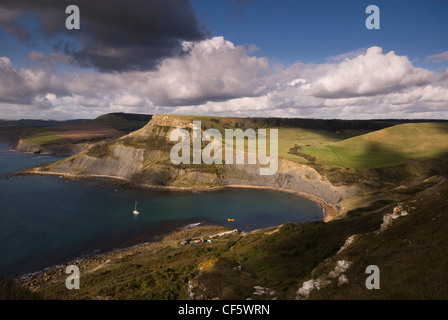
{"x": 59, "y": 149}
{"x": 390, "y": 217}
{"x": 123, "y": 163}
{"x": 316, "y": 284}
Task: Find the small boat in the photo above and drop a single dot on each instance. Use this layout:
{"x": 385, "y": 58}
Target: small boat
{"x": 135, "y": 209}
{"x": 230, "y": 220}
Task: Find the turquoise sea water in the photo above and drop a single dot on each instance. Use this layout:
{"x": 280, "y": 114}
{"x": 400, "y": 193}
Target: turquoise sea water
{"x": 46, "y": 220}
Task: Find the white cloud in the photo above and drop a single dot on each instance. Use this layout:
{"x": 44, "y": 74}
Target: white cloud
{"x": 439, "y": 57}
{"x": 215, "y": 76}
{"x": 13, "y": 87}
{"x": 370, "y": 74}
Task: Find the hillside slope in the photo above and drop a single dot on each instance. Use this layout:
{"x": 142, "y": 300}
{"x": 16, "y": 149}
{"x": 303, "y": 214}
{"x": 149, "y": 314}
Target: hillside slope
{"x": 387, "y": 147}
{"x": 71, "y": 138}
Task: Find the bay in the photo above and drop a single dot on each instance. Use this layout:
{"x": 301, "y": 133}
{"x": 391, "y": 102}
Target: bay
{"x": 47, "y": 220}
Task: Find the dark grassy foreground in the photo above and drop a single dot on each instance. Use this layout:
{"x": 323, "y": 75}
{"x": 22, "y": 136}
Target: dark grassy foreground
{"x": 11, "y": 290}
{"x": 412, "y": 255}
{"x": 276, "y": 258}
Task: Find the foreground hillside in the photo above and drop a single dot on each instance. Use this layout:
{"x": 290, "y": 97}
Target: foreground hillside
{"x": 385, "y": 181}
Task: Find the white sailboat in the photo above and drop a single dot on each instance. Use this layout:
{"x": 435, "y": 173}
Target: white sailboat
{"x": 135, "y": 209}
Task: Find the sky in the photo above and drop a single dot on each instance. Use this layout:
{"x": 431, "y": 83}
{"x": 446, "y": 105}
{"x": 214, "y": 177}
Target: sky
{"x": 265, "y": 58}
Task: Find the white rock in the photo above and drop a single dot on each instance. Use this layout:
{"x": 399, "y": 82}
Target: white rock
{"x": 348, "y": 242}
{"x": 342, "y": 265}
{"x": 311, "y": 285}
{"x": 342, "y": 280}
{"x": 333, "y": 274}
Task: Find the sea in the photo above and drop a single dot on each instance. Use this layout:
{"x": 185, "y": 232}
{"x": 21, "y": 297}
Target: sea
{"x": 48, "y": 220}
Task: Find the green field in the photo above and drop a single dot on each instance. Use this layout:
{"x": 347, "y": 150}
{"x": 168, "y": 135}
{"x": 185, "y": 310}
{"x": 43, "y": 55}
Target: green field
{"x": 43, "y": 137}
{"x": 386, "y": 147}
{"x": 348, "y": 148}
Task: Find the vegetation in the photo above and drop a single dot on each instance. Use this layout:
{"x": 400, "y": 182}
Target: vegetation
{"x": 49, "y": 132}
{"x": 125, "y": 122}
{"x": 42, "y": 136}
{"x": 411, "y": 255}
{"x": 100, "y": 151}
{"x": 386, "y": 147}
{"x": 11, "y": 290}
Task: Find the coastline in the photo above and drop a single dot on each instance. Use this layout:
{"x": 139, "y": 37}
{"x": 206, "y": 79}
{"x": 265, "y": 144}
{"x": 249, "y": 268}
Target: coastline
{"x": 91, "y": 262}
{"x": 329, "y": 210}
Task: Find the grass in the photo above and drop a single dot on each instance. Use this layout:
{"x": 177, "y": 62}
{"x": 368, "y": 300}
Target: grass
{"x": 411, "y": 255}
{"x": 228, "y": 267}
{"x": 44, "y": 137}
{"x": 120, "y": 122}
{"x": 11, "y": 290}
{"x": 386, "y": 147}
{"x": 308, "y": 139}
{"x": 351, "y": 148}
{"x": 100, "y": 151}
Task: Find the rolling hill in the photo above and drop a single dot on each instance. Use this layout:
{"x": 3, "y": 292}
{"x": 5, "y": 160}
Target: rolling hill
{"x": 60, "y": 137}
{"x": 386, "y": 147}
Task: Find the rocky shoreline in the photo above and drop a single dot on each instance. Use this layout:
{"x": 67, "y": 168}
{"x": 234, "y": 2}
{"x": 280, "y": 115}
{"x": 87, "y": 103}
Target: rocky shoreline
{"x": 89, "y": 263}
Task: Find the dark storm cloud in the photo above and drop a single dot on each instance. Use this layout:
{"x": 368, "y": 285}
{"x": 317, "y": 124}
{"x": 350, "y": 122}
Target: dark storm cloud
{"x": 115, "y": 35}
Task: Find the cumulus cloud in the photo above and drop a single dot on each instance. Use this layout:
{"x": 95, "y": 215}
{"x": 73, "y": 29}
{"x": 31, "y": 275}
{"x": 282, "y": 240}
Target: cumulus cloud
{"x": 13, "y": 87}
{"x": 371, "y": 73}
{"x": 214, "y": 76}
{"x": 210, "y": 70}
{"x": 115, "y": 35}
{"x": 213, "y": 70}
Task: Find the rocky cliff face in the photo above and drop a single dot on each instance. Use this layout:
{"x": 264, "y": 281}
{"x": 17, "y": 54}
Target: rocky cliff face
{"x": 143, "y": 157}
{"x": 291, "y": 176}
{"x": 123, "y": 163}
{"x": 60, "y": 149}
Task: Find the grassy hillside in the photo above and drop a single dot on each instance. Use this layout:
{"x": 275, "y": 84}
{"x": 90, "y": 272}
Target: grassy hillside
{"x": 44, "y": 133}
{"x": 346, "y": 144}
{"x": 275, "y": 257}
{"x": 411, "y": 255}
{"x": 43, "y": 136}
{"x": 123, "y": 122}
{"x": 383, "y": 148}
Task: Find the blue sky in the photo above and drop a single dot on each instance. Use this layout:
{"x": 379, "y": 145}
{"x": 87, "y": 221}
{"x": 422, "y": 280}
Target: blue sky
{"x": 313, "y": 30}
{"x": 309, "y": 58}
